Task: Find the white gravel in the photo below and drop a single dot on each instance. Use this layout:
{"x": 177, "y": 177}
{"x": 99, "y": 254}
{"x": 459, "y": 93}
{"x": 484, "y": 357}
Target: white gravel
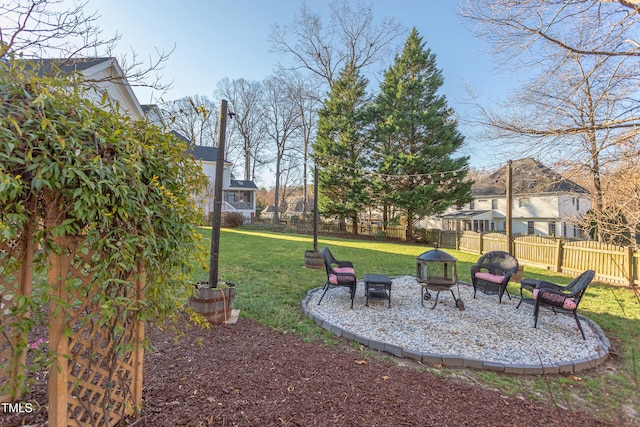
{"x": 485, "y": 330}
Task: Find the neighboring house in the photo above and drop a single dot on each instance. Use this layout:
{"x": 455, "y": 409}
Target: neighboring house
{"x": 543, "y": 203}
{"x": 237, "y": 195}
{"x": 106, "y": 76}
{"x": 268, "y": 212}
{"x": 296, "y": 207}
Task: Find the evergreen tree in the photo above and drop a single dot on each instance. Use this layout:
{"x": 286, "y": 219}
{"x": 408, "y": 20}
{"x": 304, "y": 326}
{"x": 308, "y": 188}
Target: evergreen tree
{"x": 342, "y": 148}
{"x": 416, "y": 136}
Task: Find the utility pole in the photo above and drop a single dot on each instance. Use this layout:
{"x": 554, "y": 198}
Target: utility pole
{"x": 217, "y": 205}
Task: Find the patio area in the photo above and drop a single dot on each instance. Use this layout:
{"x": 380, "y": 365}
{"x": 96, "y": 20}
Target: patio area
{"x": 486, "y": 335}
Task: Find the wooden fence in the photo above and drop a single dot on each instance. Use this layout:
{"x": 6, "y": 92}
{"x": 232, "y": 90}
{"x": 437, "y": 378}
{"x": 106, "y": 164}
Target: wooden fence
{"x": 306, "y": 227}
{"x": 612, "y": 264}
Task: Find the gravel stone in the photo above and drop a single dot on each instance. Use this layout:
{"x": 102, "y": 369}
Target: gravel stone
{"x": 485, "y": 330}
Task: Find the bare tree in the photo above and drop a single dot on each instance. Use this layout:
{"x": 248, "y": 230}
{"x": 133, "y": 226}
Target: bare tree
{"x": 281, "y": 125}
{"x": 305, "y": 96}
{"x": 65, "y": 30}
{"x": 524, "y": 31}
{"x": 196, "y": 118}
{"x": 351, "y": 38}
{"x": 581, "y": 105}
{"x": 245, "y": 98}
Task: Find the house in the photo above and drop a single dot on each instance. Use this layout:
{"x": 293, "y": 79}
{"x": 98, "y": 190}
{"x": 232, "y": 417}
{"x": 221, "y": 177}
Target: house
{"x": 543, "y": 203}
{"x": 237, "y": 195}
{"x": 104, "y": 75}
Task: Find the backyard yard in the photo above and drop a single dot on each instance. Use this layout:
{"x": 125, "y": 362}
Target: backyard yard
{"x": 276, "y": 367}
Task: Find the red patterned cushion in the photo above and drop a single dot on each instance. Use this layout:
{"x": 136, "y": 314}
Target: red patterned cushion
{"x": 555, "y": 299}
{"x": 489, "y": 277}
{"x": 334, "y": 279}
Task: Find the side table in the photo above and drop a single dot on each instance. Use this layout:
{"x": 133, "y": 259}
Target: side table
{"x": 377, "y": 286}
{"x": 530, "y": 285}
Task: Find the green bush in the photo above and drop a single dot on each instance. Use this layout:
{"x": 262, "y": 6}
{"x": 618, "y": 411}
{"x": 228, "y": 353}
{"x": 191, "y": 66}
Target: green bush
{"x": 125, "y": 187}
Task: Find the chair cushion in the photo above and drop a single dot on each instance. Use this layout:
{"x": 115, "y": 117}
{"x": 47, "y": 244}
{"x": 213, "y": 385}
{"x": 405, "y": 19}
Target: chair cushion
{"x": 493, "y": 278}
{"x": 335, "y": 279}
{"x": 555, "y": 300}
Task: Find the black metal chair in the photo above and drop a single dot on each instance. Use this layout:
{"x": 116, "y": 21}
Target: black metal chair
{"x": 339, "y": 273}
{"x": 492, "y": 273}
{"x": 562, "y": 299}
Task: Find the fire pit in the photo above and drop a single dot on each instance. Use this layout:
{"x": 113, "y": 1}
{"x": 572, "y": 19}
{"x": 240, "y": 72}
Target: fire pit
{"x": 436, "y": 271}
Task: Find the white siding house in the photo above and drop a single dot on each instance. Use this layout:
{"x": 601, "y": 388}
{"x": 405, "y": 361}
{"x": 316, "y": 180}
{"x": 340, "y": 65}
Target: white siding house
{"x": 237, "y": 195}
{"x": 104, "y": 75}
{"x": 544, "y": 203}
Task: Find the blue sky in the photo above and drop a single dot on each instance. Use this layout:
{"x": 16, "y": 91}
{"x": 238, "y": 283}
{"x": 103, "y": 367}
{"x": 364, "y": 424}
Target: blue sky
{"x": 215, "y": 39}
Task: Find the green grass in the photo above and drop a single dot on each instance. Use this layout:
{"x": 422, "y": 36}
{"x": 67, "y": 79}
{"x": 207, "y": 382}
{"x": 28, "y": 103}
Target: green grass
{"x": 272, "y": 281}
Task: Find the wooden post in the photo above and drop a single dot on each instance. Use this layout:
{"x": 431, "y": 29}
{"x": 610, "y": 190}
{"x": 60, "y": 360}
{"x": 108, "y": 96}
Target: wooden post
{"x": 559, "y": 247}
{"x": 138, "y": 343}
{"x": 217, "y": 206}
{"x": 481, "y": 243}
{"x": 25, "y": 282}
{"x": 57, "y": 390}
{"x": 315, "y": 206}
{"x": 629, "y": 265}
{"x": 509, "y": 214}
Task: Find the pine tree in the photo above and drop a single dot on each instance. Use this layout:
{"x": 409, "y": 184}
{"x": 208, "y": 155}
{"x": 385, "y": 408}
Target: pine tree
{"x": 342, "y": 148}
{"x": 416, "y": 136}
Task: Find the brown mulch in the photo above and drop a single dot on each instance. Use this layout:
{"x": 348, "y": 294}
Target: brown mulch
{"x": 249, "y": 375}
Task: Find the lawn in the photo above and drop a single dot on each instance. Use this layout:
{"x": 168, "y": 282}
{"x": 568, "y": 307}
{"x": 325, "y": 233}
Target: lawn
{"x": 272, "y": 281}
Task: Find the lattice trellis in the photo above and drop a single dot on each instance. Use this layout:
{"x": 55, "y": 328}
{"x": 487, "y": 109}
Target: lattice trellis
{"x": 91, "y": 382}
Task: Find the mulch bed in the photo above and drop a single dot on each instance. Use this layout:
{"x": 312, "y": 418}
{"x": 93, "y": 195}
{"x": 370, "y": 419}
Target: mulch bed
{"x": 249, "y": 375}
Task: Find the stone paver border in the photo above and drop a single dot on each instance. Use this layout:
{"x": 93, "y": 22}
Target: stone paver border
{"x": 452, "y": 361}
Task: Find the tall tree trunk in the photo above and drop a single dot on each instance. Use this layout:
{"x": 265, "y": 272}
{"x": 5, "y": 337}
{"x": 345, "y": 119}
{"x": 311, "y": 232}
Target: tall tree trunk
{"x": 597, "y": 185}
{"x": 354, "y": 220}
{"x": 409, "y": 229}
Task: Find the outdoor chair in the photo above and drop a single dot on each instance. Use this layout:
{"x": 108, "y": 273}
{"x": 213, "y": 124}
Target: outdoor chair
{"x": 339, "y": 273}
{"x": 492, "y": 273}
{"x": 562, "y": 299}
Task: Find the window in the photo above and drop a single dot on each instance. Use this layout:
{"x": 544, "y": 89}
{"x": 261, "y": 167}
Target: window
{"x": 494, "y": 204}
{"x": 524, "y": 202}
{"x": 577, "y": 203}
{"x": 530, "y": 227}
{"x": 472, "y": 205}
{"x": 552, "y": 229}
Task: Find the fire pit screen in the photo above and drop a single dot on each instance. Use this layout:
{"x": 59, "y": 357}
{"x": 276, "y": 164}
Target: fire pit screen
{"x": 436, "y": 271}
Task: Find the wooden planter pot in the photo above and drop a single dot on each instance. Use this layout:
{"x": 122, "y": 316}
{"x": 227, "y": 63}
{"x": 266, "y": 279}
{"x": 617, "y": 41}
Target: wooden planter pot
{"x": 313, "y": 259}
{"x": 215, "y": 304}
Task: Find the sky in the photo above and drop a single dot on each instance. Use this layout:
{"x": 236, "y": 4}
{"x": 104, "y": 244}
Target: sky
{"x": 214, "y": 39}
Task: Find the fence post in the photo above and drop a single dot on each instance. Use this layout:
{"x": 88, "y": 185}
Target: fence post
{"x": 629, "y": 264}
{"x": 559, "y": 247}
{"x": 458, "y": 238}
{"x": 481, "y": 244}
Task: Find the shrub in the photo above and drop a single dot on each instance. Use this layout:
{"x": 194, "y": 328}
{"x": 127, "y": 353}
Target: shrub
{"x": 233, "y": 219}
